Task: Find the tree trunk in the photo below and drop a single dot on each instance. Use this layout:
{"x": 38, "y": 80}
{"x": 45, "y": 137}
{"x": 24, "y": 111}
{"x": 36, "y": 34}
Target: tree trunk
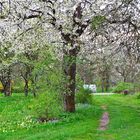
{"x": 103, "y": 82}
{"x": 124, "y": 79}
{"x": 26, "y": 88}
{"x": 33, "y": 86}
{"x": 34, "y": 92}
{"x": 107, "y": 81}
{"x": 69, "y": 67}
{"x": 7, "y": 88}
{"x": 107, "y": 85}
{"x": 6, "y": 82}
{"x": 102, "y": 86}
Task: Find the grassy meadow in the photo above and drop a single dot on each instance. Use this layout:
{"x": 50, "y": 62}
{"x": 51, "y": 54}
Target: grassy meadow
{"x": 16, "y": 122}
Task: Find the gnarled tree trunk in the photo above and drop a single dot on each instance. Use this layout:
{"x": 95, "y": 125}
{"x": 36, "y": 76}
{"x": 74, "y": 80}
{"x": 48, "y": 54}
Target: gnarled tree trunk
{"x": 69, "y": 67}
{"x": 6, "y": 82}
{"x": 7, "y": 88}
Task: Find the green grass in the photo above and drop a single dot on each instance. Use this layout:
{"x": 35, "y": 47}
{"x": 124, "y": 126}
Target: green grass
{"x": 124, "y": 117}
{"x": 17, "y": 124}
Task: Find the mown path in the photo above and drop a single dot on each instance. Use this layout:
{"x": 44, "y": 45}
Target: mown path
{"x": 102, "y": 94}
{"x": 121, "y": 117}
{"x": 104, "y": 120}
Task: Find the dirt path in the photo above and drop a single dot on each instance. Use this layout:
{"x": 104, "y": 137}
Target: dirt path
{"x": 102, "y": 94}
{"x": 104, "y": 120}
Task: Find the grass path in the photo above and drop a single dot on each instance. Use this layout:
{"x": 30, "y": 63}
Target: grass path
{"x": 102, "y": 94}
{"x": 105, "y": 119}
{"x": 124, "y": 112}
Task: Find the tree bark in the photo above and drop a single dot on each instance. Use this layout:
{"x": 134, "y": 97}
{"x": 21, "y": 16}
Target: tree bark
{"x": 69, "y": 68}
{"x": 26, "y": 88}
{"x": 25, "y": 75}
{"x": 33, "y": 80}
{"x": 6, "y": 82}
{"x": 7, "y": 88}
{"x": 107, "y": 85}
{"x": 102, "y": 85}
{"x": 107, "y": 81}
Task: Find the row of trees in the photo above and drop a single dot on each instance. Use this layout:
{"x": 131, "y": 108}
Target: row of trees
{"x": 76, "y": 28}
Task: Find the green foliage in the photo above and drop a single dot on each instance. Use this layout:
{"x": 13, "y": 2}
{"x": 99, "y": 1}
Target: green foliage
{"x": 47, "y": 105}
{"x": 17, "y": 89}
{"x": 120, "y": 87}
{"x": 97, "y": 21}
{"x": 138, "y": 95}
{"x": 137, "y": 87}
{"x": 84, "y": 96}
{"x": 46, "y": 73}
{"x": 79, "y": 82}
{"x": 1, "y": 86}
